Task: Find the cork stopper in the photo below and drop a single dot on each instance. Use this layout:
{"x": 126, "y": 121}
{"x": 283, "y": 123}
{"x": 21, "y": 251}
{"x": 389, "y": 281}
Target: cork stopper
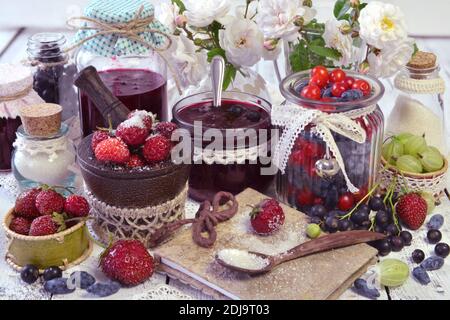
{"x": 41, "y": 120}
{"x": 422, "y": 60}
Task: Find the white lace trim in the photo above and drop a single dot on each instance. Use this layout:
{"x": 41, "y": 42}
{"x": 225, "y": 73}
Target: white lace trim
{"x": 49, "y": 147}
{"x": 294, "y": 119}
{"x": 421, "y": 86}
{"x": 237, "y": 156}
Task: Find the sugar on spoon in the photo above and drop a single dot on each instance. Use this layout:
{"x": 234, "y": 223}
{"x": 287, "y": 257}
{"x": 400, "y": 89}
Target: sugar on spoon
{"x": 254, "y": 263}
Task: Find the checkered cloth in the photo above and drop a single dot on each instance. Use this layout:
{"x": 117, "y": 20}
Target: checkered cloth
{"x": 119, "y": 12}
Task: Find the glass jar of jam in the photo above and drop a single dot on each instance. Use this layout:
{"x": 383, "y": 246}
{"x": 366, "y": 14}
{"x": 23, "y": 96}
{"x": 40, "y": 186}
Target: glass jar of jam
{"x": 44, "y": 160}
{"x": 53, "y": 72}
{"x": 237, "y": 162}
{"x": 129, "y": 63}
{"x": 16, "y": 91}
{"x": 353, "y": 130}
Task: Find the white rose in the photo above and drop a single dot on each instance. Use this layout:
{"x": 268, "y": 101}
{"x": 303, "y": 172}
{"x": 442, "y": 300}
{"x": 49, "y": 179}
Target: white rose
{"x": 343, "y": 43}
{"x": 242, "y": 41}
{"x": 391, "y": 59}
{"x": 382, "y": 23}
{"x": 201, "y": 13}
{"x": 276, "y": 18}
{"x": 191, "y": 65}
{"x": 167, "y": 13}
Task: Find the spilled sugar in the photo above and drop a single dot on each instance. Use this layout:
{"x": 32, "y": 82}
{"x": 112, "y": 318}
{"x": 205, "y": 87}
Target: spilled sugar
{"x": 242, "y": 259}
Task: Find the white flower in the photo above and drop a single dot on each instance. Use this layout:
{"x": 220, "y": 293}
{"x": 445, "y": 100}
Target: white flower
{"x": 343, "y": 43}
{"x": 391, "y": 59}
{"x": 191, "y": 65}
{"x": 381, "y": 23}
{"x": 240, "y": 13}
{"x": 242, "y": 41}
{"x": 201, "y": 13}
{"x": 167, "y": 14}
{"x": 277, "y": 18}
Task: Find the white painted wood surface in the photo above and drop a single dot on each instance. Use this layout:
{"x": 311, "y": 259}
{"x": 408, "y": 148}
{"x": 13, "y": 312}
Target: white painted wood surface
{"x": 11, "y": 286}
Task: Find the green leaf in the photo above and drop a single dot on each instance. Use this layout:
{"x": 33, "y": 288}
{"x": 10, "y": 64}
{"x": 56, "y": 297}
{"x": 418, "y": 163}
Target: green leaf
{"x": 299, "y": 57}
{"x": 326, "y": 52}
{"x": 216, "y": 52}
{"x": 341, "y": 7}
{"x": 416, "y": 49}
{"x": 362, "y": 6}
{"x": 180, "y": 5}
{"x": 230, "y": 74}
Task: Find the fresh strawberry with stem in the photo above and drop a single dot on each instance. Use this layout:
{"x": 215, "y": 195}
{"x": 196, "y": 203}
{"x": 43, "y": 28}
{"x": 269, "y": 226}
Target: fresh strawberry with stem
{"x": 267, "y": 217}
{"x": 76, "y": 206}
{"x": 47, "y": 225}
{"x": 20, "y": 225}
{"x": 133, "y": 131}
{"x": 128, "y": 262}
{"x": 25, "y": 205}
{"x": 112, "y": 150}
{"x": 411, "y": 208}
{"x": 49, "y": 201}
{"x": 156, "y": 149}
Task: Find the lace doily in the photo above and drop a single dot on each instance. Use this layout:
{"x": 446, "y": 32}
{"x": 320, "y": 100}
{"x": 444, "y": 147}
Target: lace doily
{"x": 237, "y": 156}
{"x": 162, "y": 292}
{"x": 135, "y": 223}
{"x": 294, "y": 119}
{"x": 421, "y": 86}
{"x": 9, "y": 184}
{"x": 50, "y": 147}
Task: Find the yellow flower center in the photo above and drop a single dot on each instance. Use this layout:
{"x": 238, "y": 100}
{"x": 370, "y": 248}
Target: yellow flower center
{"x": 241, "y": 42}
{"x": 387, "y": 24}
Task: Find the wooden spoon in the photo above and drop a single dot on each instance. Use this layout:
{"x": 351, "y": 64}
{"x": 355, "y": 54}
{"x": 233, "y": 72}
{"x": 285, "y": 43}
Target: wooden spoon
{"x": 325, "y": 243}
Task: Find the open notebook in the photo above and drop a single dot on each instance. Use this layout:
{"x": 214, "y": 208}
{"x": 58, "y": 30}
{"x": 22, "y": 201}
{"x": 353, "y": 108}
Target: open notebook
{"x": 320, "y": 276}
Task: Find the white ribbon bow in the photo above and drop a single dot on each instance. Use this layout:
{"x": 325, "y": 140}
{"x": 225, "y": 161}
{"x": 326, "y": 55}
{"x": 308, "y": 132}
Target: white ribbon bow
{"x": 294, "y": 119}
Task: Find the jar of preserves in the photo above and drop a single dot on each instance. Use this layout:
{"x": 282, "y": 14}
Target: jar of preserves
{"x": 129, "y": 63}
{"x": 330, "y": 148}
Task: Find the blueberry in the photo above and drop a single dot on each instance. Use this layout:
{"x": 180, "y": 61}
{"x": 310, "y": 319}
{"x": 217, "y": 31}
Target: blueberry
{"x": 407, "y": 237}
{"x": 434, "y": 236}
{"x": 376, "y": 203}
{"x": 301, "y": 86}
{"x": 418, "y": 256}
{"x": 442, "y": 250}
{"x": 104, "y": 289}
{"x": 318, "y": 211}
{"x": 352, "y": 95}
{"x": 82, "y": 279}
{"x": 327, "y": 93}
{"x": 58, "y": 286}
{"x": 253, "y": 116}
{"x": 52, "y": 273}
{"x": 382, "y": 218}
{"x": 29, "y": 273}
{"x": 362, "y": 288}
{"x": 421, "y": 275}
{"x": 359, "y": 217}
{"x": 432, "y": 263}
{"x": 436, "y": 222}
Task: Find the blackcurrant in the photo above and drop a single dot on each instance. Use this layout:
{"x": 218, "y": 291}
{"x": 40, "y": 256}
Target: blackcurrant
{"x": 332, "y": 224}
{"x": 391, "y": 230}
{"x": 397, "y": 243}
{"x": 345, "y": 225}
{"x": 318, "y": 211}
{"x": 52, "y": 273}
{"x": 434, "y": 236}
{"x": 384, "y": 247}
{"x": 418, "y": 256}
{"x": 359, "y": 217}
{"x": 442, "y": 250}
{"x": 407, "y": 237}
{"x": 382, "y": 218}
{"x": 29, "y": 273}
{"x": 364, "y": 208}
{"x": 376, "y": 203}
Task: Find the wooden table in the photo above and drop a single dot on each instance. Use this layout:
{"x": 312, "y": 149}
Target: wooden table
{"x": 13, "y": 49}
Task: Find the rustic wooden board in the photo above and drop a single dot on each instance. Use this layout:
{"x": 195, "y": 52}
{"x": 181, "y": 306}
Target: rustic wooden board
{"x": 319, "y": 276}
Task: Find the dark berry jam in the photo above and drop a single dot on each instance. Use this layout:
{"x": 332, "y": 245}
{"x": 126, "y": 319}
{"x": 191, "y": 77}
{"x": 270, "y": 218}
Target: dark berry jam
{"x": 8, "y": 128}
{"x": 208, "y": 179}
{"x": 136, "y": 88}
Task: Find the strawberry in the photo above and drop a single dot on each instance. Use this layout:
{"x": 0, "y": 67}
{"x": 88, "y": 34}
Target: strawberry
{"x": 166, "y": 129}
{"x": 47, "y": 225}
{"x": 147, "y": 117}
{"x": 20, "y": 225}
{"x": 76, "y": 206}
{"x": 412, "y": 210}
{"x": 128, "y": 262}
{"x": 49, "y": 201}
{"x": 112, "y": 150}
{"x": 98, "y": 137}
{"x": 133, "y": 131}
{"x": 135, "y": 161}
{"x": 267, "y": 217}
{"x": 156, "y": 149}
{"x": 26, "y": 204}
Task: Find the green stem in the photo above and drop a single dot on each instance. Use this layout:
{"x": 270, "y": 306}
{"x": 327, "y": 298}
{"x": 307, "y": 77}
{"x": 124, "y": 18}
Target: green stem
{"x": 361, "y": 202}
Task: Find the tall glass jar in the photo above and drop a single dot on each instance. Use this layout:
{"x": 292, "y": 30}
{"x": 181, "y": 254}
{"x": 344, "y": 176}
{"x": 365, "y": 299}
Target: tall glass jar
{"x": 123, "y": 41}
{"x": 359, "y": 141}
{"x": 54, "y": 72}
{"x": 44, "y": 160}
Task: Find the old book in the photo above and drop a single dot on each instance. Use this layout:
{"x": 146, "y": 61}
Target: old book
{"x": 319, "y": 276}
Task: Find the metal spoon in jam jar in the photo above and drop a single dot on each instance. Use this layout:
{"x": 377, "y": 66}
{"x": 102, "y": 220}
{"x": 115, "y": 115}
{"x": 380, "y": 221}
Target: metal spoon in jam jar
{"x": 254, "y": 263}
{"x": 217, "y": 77}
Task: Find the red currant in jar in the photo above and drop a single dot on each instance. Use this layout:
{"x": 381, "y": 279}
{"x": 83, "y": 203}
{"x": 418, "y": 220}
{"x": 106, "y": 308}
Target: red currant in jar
{"x": 338, "y": 89}
{"x": 305, "y": 197}
{"x": 320, "y": 71}
{"x": 319, "y": 81}
{"x": 311, "y": 92}
{"x": 337, "y": 75}
{"x": 346, "y": 201}
{"x": 362, "y": 85}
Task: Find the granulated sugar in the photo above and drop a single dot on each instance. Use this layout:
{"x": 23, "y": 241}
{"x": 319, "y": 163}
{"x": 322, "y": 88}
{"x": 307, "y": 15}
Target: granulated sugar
{"x": 135, "y": 121}
{"x": 242, "y": 259}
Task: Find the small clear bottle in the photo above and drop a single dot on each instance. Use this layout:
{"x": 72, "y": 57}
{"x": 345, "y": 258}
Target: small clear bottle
{"x": 53, "y": 72}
